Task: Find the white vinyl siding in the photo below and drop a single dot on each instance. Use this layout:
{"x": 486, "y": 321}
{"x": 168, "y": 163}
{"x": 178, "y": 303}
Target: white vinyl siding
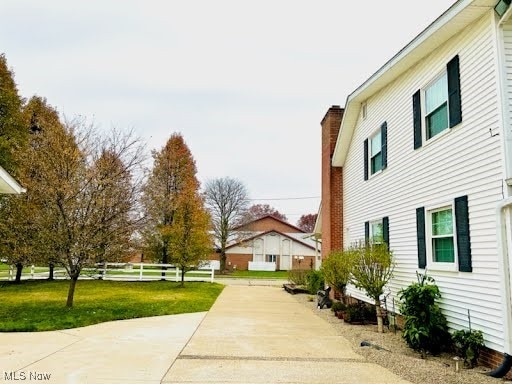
{"x": 507, "y": 45}
{"x": 466, "y": 160}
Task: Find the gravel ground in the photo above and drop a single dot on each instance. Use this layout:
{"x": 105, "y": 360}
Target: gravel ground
{"x": 399, "y": 358}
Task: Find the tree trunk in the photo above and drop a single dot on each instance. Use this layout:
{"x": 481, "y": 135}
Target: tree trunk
{"x": 380, "y": 325}
{"x": 182, "y": 277}
{"x": 71, "y": 291}
{"x": 222, "y": 259}
{"x": 50, "y": 272}
{"x": 19, "y": 270}
{"x": 164, "y": 261}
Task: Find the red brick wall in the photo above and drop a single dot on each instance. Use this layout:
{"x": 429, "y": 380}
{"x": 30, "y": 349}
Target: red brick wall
{"x": 332, "y": 187}
{"x": 493, "y": 359}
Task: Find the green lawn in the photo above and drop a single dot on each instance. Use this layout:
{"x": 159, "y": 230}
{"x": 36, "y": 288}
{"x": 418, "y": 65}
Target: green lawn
{"x": 40, "y": 305}
{"x": 257, "y": 274}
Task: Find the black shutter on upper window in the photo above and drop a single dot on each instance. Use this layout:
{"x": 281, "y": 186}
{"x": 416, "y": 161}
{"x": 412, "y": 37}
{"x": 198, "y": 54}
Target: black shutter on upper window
{"x": 366, "y": 159}
{"x": 385, "y": 230}
{"x": 366, "y": 232}
{"x": 463, "y": 235}
{"x": 454, "y": 99}
{"x": 384, "y": 144}
{"x": 416, "y": 114}
{"x": 420, "y": 233}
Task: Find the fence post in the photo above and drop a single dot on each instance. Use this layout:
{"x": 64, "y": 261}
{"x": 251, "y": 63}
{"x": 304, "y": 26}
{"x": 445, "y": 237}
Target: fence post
{"x": 177, "y": 274}
{"x": 104, "y": 270}
{"x": 141, "y": 269}
{"x": 212, "y": 275}
{"x": 32, "y": 272}
{"x": 10, "y": 272}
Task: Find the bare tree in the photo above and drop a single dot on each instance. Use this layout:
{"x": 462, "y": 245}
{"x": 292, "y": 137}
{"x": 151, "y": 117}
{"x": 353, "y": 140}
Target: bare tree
{"x": 227, "y": 201}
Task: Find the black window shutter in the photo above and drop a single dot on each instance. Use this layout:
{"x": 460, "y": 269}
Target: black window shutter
{"x": 454, "y": 99}
{"x": 385, "y": 230}
{"x": 420, "y": 231}
{"x": 463, "y": 236}
{"x": 416, "y": 113}
{"x": 366, "y": 232}
{"x": 366, "y": 159}
{"x": 384, "y": 143}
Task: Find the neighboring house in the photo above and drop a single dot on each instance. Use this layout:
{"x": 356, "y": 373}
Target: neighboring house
{"x": 8, "y": 185}
{"x": 422, "y": 159}
{"x": 270, "y": 244}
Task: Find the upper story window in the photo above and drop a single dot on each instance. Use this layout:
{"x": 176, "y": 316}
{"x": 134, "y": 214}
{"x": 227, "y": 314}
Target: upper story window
{"x": 437, "y": 106}
{"x": 376, "y": 152}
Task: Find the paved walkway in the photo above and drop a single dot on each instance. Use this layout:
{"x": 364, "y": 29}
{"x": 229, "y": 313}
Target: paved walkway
{"x": 251, "y": 335}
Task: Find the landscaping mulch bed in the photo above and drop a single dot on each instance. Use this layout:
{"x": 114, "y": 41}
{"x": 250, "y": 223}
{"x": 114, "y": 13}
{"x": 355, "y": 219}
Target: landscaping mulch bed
{"x": 397, "y": 356}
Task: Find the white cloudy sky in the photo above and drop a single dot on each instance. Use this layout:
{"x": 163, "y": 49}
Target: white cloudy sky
{"x": 246, "y": 83}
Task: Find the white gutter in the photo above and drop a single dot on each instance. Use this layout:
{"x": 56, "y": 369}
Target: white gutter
{"x": 504, "y": 239}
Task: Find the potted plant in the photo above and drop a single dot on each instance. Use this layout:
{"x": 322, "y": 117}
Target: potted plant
{"x": 339, "y": 309}
{"x": 467, "y": 345}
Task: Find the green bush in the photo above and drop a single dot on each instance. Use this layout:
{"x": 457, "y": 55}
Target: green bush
{"x": 467, "y": 345}
{"x": 425, "y": 328}
{"x": 314, "y": 281}
{"x": 298, "y": 276}
{"x": 338, "y": 306}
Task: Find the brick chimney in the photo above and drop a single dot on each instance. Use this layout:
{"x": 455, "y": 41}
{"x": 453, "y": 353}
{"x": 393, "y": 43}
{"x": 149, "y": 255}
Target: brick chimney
{"x": 332, "y": 184}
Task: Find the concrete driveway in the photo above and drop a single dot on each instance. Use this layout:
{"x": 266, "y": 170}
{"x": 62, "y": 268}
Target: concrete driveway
{"x": 252, "y": 334}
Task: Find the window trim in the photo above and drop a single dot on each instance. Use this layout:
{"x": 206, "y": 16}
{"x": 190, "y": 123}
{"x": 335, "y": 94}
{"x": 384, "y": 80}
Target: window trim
{"x": 424, "y": 114}
{"x": 431, "y": 264}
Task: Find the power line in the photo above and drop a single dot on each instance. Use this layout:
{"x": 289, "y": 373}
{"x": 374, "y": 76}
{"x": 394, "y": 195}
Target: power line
{"x": 288, "y": 198}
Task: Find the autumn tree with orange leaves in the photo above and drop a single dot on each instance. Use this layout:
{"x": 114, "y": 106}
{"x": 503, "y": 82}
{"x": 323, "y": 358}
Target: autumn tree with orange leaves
{"x": 177, "y": 222}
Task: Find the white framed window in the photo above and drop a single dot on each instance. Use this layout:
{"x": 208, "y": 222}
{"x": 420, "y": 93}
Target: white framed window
{"x": 375, "y": 153}
{"x": 376, "y": 231}
{"x": 271, "y": 258}
{"x": 441, "y": 238}
{"x": 436, "y": 106}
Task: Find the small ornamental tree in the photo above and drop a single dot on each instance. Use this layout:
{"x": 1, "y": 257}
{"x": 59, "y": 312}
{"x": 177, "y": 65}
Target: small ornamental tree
{"x": 337, "y": 269}
{"x": 373, "y": 268}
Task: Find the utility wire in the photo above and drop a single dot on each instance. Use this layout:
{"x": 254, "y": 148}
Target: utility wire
{"x": 288, "y": 198}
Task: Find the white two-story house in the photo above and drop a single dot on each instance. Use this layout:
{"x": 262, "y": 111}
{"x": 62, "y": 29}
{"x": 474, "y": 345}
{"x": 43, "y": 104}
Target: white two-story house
{"x": 425, "y": 149}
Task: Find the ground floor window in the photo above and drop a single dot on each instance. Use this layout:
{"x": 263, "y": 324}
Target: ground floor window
{"x": 271, "y": 258}
{"x": 442, "y": 235}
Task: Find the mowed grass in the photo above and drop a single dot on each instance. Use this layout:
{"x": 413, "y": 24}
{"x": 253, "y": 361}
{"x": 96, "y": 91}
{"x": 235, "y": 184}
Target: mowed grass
{"x": 40, "y": 305}
{"x": 257, "y": 274}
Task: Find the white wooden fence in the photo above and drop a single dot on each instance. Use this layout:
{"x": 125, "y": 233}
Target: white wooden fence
{"x": 120, "y": 271}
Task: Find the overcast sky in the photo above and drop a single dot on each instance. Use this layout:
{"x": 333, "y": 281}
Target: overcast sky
{"x": 246, "y": 83}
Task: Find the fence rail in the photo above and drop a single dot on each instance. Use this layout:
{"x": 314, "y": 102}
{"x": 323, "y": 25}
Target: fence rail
{"x": 118, "y": 271}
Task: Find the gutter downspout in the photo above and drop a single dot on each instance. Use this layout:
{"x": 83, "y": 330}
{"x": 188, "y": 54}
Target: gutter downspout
{"x": 503, "y": 238}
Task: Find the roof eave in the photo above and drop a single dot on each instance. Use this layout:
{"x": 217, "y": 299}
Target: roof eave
{"x": 451, "y": 22}
{"x": 8, "y": 185}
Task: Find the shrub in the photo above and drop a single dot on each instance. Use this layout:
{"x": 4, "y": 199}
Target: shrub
{"x": 338, "y": 306}
{"x": 298, "y": 276}
{"x": 467, "y": 345}
{"x": 337, "y": 269}
{"x": 373, "y": 268}
{"x": 425, "y": 328}
{"x": 314, "y": 281}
